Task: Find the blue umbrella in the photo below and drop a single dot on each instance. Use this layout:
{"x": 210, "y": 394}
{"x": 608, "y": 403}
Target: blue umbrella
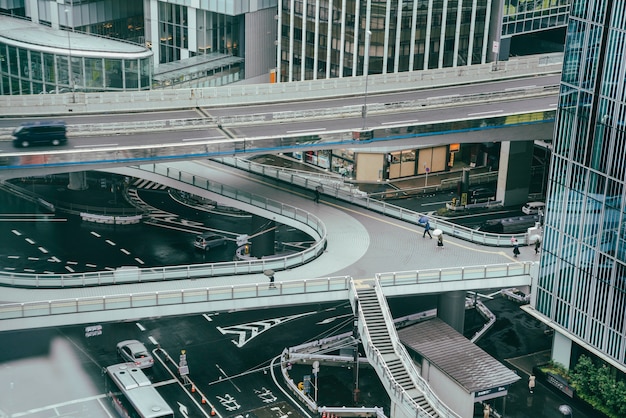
{"x": 423, "y": 219}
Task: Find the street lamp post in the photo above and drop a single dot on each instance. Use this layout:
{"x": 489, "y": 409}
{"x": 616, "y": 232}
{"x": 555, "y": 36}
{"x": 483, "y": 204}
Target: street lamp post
{"x": 366, "y": 70}
{"x": 69, "y": 53}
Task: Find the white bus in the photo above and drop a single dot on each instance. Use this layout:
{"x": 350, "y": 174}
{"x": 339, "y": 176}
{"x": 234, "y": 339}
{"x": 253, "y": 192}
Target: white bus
{"x": 133, "y": 395}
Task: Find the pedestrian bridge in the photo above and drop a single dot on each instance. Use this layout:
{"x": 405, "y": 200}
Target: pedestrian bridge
{"x": 109, "y": 306}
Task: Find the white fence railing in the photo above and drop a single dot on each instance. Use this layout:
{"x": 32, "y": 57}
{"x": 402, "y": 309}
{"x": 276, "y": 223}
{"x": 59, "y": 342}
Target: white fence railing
{"x": 246, "y": 94}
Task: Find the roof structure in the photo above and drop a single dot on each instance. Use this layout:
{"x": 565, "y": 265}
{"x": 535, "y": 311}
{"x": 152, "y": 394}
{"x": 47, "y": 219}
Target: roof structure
{"x": 456, "y": 356}
{"x": 193, "y": 65}
{"x": 29, "y": 35}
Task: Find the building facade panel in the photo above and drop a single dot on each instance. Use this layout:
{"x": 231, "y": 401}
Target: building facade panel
{"x": 334, "y": 38}
{"x": 582, "y": 280}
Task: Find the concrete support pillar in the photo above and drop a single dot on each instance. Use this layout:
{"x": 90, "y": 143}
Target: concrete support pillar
{"x": 263, "y": 243}
{"x": 561, "y": 349}
{"x": 78, "y": 181}
{"x": 513, "y": 179}
{"x": 451, "y": 309}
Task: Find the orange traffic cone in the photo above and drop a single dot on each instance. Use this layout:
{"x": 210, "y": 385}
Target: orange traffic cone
{"x": 193, "y": 388}
{"x": 212, "y": 412}
{"x": 203, "y": 399}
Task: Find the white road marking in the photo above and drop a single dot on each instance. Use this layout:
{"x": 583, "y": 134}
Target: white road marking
{"x": 110, "y": 242}
{"x": 68, "y": 268}
{"x": 399, "y": 121}
{"x": 16, "y": 232}
{"x": 521, "y": 88}
{"x": 141, "y": 327}
{"x": 96, "y": 145}
{"x": 33, "y": 258}
{"x": 443, "y": 97}
{"x": 139, "y": 260}
{"x": 43, "y": 250}
{"x": 30, "y": 241}
{"x": 200, "y": 139}
{"x": 95, "y": 234}
{"x": 207, "y": 317}
{"x": 153, "y": 340}
{"x": 226, "y": 376}
{"x": 125, "y": 251}
{"x": 485, "y": 113}
{"x": 306, "y": 130}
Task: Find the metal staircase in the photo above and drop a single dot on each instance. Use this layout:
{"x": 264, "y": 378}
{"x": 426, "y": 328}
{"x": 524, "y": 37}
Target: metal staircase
{"x": 410, "y": 394}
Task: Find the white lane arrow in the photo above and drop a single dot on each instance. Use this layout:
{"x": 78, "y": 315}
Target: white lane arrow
{"x": 183, "y": 409}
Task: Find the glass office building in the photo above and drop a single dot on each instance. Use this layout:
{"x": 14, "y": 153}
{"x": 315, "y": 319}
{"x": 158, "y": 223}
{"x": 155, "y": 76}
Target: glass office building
{"x": 523, "y": 16}
{"x": 333, "y": 38}
{"x": 581, "y": 288}
{"x": 37, "y": 59}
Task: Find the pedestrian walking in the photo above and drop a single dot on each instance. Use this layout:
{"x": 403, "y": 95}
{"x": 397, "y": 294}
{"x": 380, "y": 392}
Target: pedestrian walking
{"x": 427, "y": 230}
{"x": 440, "y": 240}
{"x": 316, "y": 199}
{"x": 515, "y": 248}
{"x": 270, "y": 275}
{"x": 537, "y": 245}
{"x": 531, "y": 383}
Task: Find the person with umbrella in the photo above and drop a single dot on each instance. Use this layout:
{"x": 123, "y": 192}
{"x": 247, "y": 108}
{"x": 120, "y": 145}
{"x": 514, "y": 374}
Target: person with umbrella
{"x": 427, "y": 229}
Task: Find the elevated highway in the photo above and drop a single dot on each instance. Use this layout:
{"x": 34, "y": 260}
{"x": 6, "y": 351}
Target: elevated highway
{"x": 481, "y": 104}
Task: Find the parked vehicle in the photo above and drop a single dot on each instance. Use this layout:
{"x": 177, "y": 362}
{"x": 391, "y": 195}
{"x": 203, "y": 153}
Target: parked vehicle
{"x": 135, "y": 352}
{"x": 532, "y": 208}
{"x": 209, "y": 240}
{"x": 514, "y": 225}
{"x": 37, "y": 133}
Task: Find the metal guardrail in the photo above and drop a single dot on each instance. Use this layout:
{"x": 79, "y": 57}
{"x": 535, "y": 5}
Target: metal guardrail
{"x": 442, "y": 409}
{"x": 227, "y": 293}
{"x": 311, "y": 224}
{"x": 173, "y": 297}
{"x": 110, "y": 128}
{"x": 246, "y": 94}
{"x": 355, "y": 197}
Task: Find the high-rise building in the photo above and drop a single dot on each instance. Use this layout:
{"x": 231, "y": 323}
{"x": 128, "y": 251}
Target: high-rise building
{"x": 342, "y": 38}
{"x": 581, "y": 287}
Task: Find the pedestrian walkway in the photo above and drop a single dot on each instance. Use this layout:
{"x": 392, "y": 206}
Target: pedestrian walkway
{"x": 361, "y": 243}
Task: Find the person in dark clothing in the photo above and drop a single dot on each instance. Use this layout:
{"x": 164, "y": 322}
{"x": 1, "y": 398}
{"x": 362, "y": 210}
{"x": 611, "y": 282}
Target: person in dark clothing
{"x": 427, "y": 230}
{"x": 317, "y": 195}
{"x": 515, "y": 249}
{"x": 537, "y": 245}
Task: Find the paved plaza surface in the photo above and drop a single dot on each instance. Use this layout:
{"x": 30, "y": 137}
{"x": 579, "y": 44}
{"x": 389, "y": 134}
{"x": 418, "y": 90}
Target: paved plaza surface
{"x": 360, "y": 244}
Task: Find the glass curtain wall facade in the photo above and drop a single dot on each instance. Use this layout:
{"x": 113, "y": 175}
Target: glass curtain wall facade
{"x": 523, "y": 16}
{"x": 36, "y": 59}
{"x": 582, "y": 280}
{"x": 215, "y": 33}
{"x": 327, "y": 38}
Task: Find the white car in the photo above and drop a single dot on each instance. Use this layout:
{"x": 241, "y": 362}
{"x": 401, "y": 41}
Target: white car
{"x": 135, "y": 352}
{"x": 533, "y": 208}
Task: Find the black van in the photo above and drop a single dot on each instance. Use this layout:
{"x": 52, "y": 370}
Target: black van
{"x": 35, "y": 133}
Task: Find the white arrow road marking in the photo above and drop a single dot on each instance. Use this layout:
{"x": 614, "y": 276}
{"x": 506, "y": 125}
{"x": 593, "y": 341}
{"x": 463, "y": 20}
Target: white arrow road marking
{"x": 248, "y": 331}
{"x": 183, "y": 409}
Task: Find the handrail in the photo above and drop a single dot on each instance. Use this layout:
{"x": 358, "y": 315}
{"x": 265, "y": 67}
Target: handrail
{"x": 224, "y": 293}
{"x": 347, "y": 192}
{"x": 246, "y": 94}
{"x": 107, "y": 128}
{"x": 310, "y": 223}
